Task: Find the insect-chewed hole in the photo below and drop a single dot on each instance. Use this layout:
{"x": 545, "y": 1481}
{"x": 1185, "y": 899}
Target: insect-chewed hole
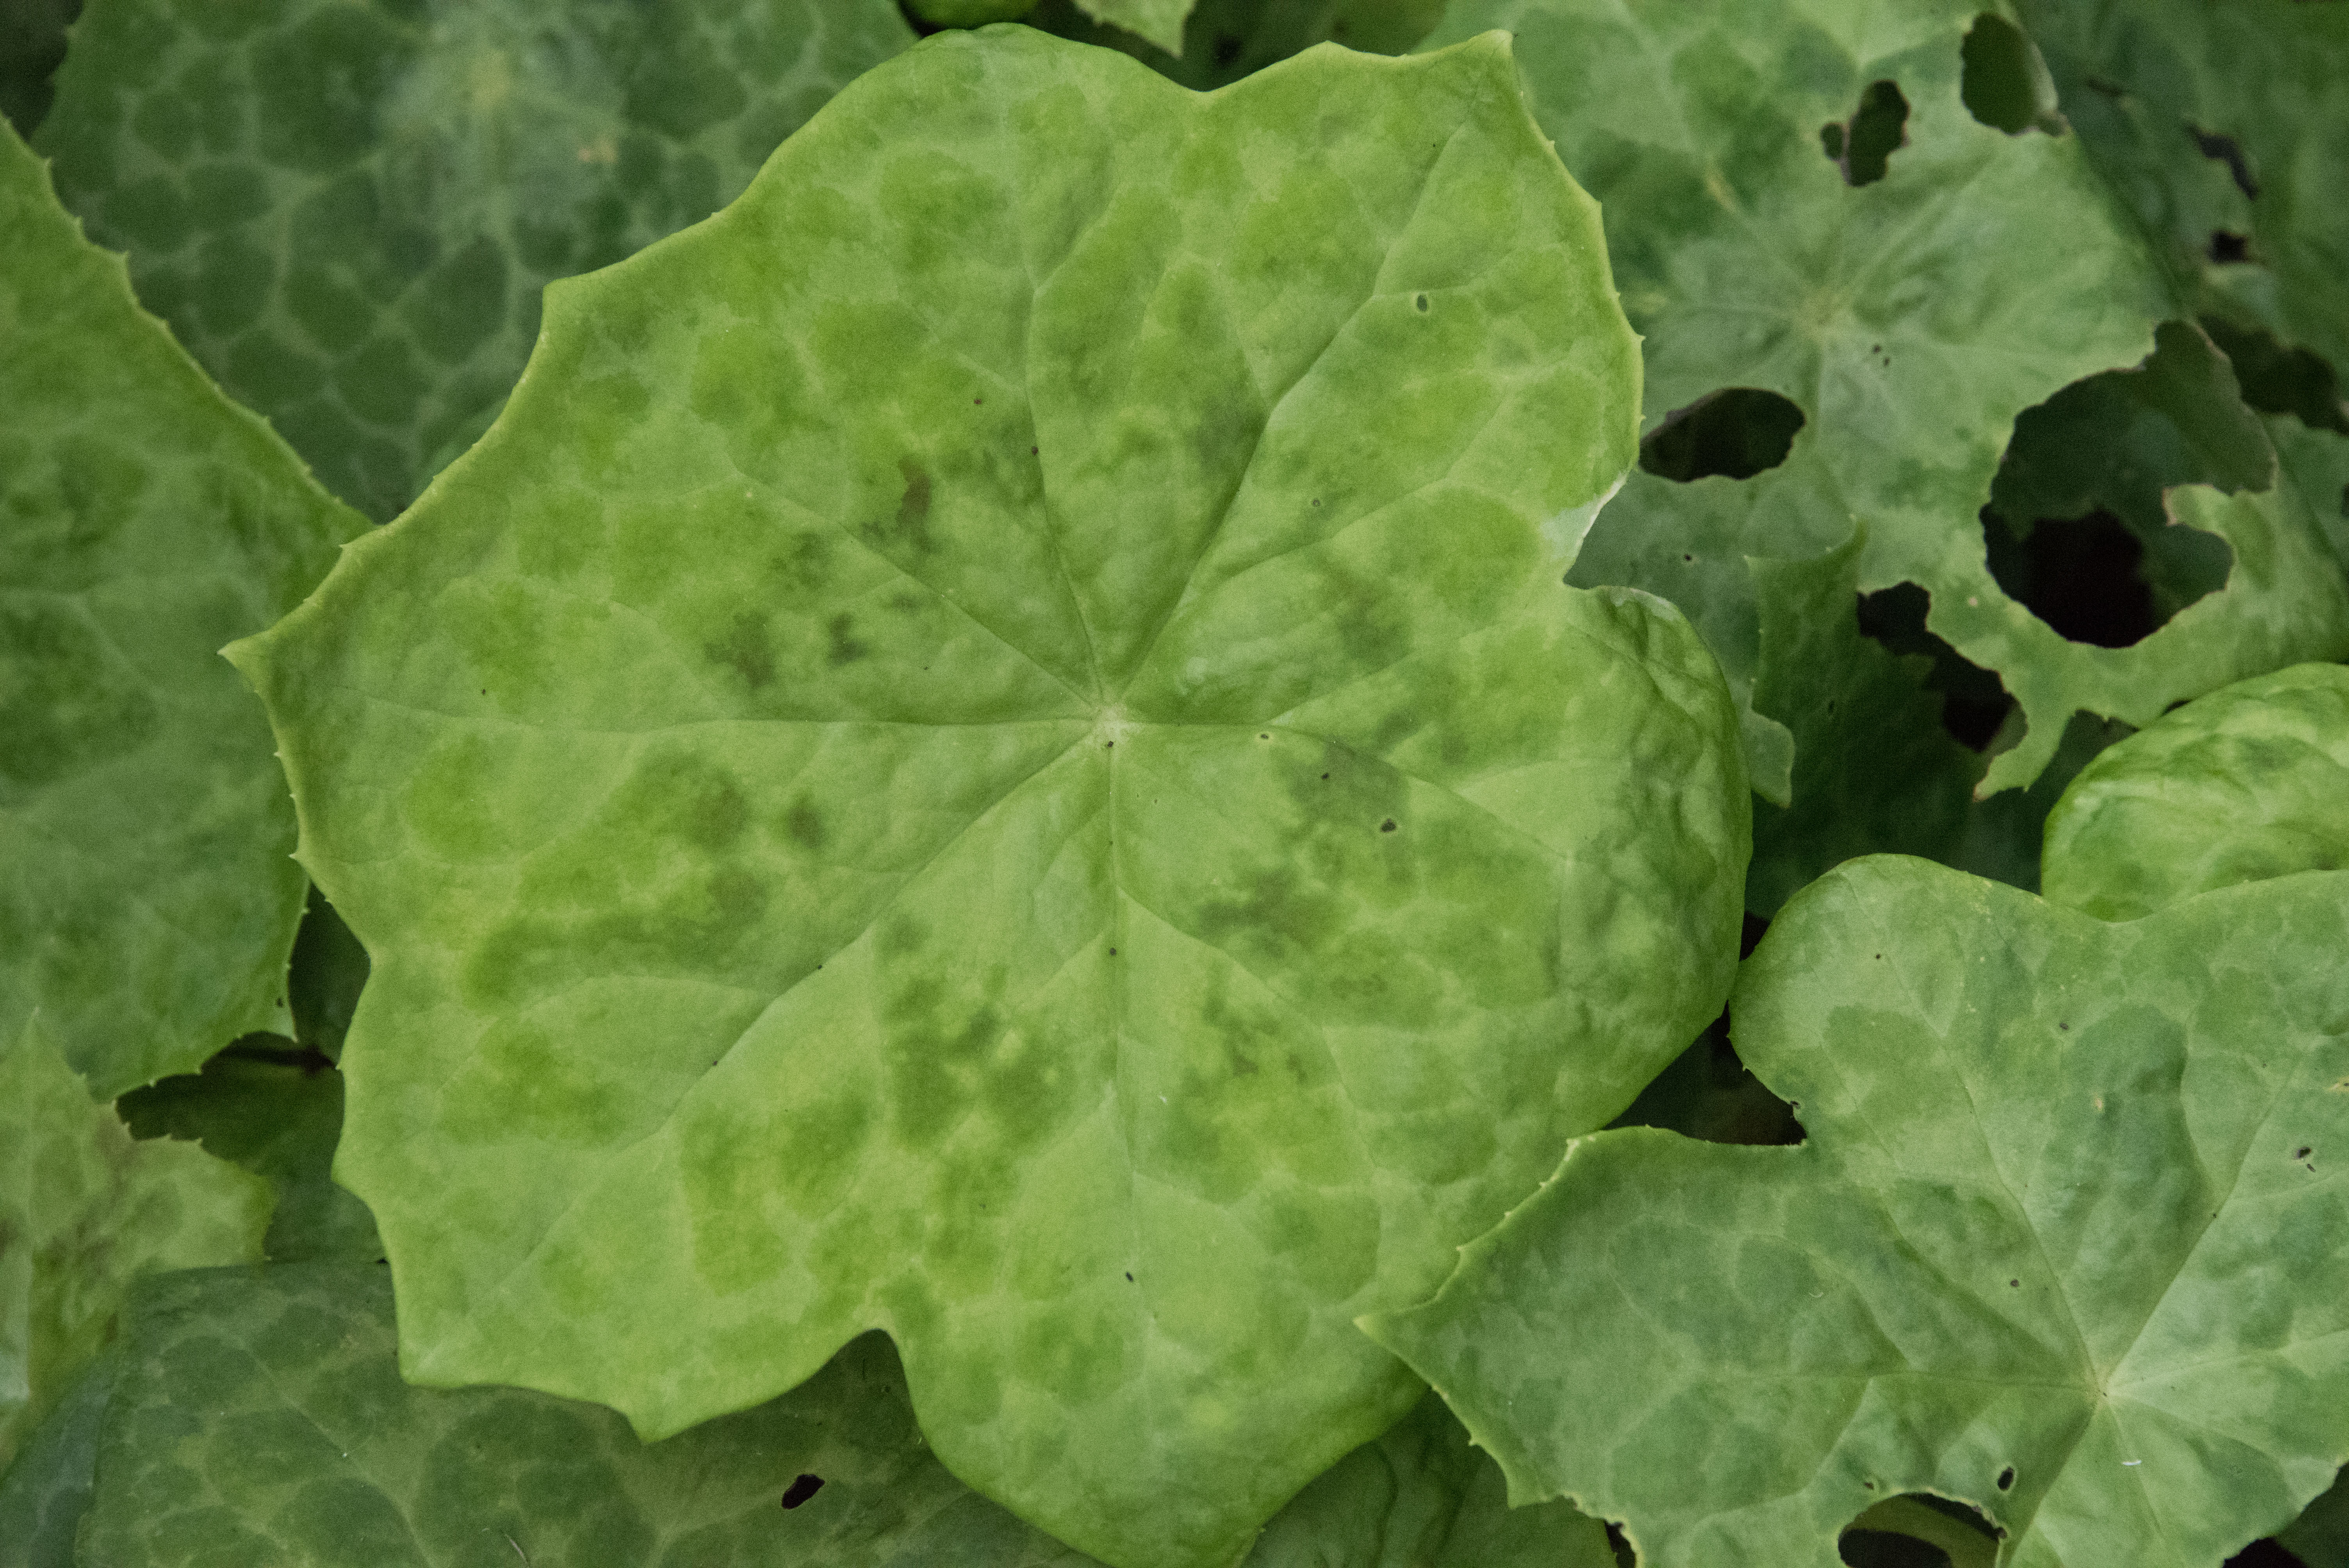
{"x": 2006, "y": 1479}
{"x": 800, "y": 1490}
{"x": 2005, "y": 84}
{"x": 1734, "y": 433}
{"x": 2279, "y": 380}
{"x": 1863, "y": 146}
{"x": 2220, "y": 148}
{"x": 1890, "y": 1533}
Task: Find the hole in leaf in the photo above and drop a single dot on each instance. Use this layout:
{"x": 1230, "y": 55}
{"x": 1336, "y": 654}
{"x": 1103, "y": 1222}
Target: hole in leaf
{"x": 2278, "y": 380}
{"x": 1863, "y": 146}
{"x": 2226, "y": 149}
{"x": 800, "y": 1490}
{"x": 2077, "y": 574}
{"x": 2006, "y": 1479}
{"x": 1915, "y": 1530}
{"x": 1974, "y": 701}
{"x": 2005, "y": 84}
{"x": 1888, "y": 1549}
{"x": 1734, "y": 433}
{"x": 1707, "y": 1093}
{"x": 1621, "y": 1546}
{"x": 2227, "y": 248}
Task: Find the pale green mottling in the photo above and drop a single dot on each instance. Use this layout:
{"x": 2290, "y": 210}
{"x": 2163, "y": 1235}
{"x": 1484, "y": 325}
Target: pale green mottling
{"x": 84, "y": 1210}
{"x": 1910, "y": 319}
{"x": 146, "y": 900}
{"x": 993, "y": 747}
{"x": 2066, "y": 1242}
{"x": 346, "y": 208}
{"x": 260, "y": 1417}
{"x": 2248, "y": 783}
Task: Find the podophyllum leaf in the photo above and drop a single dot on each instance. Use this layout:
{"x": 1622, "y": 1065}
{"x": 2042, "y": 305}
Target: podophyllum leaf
{"x": 45, "y": 1493}
{"x": 146, "y": 899}
{"x": 2320, "y": 1536}
{"x": 1911, "y": 318}
{"x": 2248, "y": 783}
{"x": 1158, "y": 22}
{"x": 1874, "y": 769}
{"x": 83, "y": 1211}
{"x": 1224, "y": 40}
{"x": 1002, "y": 717}
{"x": 260, "y": 1418}
{"x": 346, "y": 208}
{"x": 2225, "y": 128}
{"x": 279, "y": 1119}
{"x": 2066, "y": 1242}
{"x": 32, "y": 42}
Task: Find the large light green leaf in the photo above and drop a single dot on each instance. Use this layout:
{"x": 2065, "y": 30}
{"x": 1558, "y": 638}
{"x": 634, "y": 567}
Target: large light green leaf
{"x": 1911, "y": 318}
{"x": 261, "y": 1419}
{"x": 146, "y": 900}
{"x": 346, "y": 208}
{"x": 993, "y": 747}
{"x": 2068, "y": 1242}
{"x": 2223, "y": 120}
{"x": 2248, "y": 783}
{"x": 83, "y": 1211}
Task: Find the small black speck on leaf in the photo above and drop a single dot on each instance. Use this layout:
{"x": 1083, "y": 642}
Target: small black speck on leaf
{"x": 1325, "y": 776}
{"x": 1317, "y": 500}
{"x": 1112, "y": 953}
{"x": 1421, "y": 303}
{"x": 2015, "y": 1283}
{"x": 2302, "y": 1152}
{"x": 485, "y": 691}
{"x": 800, "y": 1490}
{"x": 2065, "y": 1026}
{"x": 1388, "y": 826}
{"x": 1868, "y": 1484}
{"x": 1689, "y": 559}
{"x": 1031, "y": 451}
{"x": 976, "y": 401}
{"x": 1129, "y": 1279}
{"x": 1267, "y": 736}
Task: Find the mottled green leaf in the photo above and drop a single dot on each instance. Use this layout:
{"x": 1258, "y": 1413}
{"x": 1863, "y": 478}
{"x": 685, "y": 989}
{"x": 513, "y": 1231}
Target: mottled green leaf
{"x": 1157, "y": 22}
{"x": 2246, "y": 783}
{"x": 2319, "y": 1537}
{"x": 2221, "y": 123}
{"x": 32, "y": 42}
{"x": 993, "y": 747}
{"x": 1911, "y": 318}
{"x": 261, "y": 1419}
{"x": 83, "y": 1211}
{"x": 280, "y": 1119}
{"x": 1874, "y": 771}
{"x": 146, "y": 900}
{"x": 2068, "y": 1242}
{"x": 346, "y": 208}
{"x": 45, "y": 1493}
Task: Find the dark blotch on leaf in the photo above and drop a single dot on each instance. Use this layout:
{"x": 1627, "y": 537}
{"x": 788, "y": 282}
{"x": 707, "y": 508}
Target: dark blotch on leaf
{"x": 800, "y": 1490}
{"x": 2006, "y": 1479}
{"x": 2229, "y": 248}
{"x": 1421, "y": 303}
{"x": 845, "y": 648}
{"x": 745, "y": 648}
{"x": 2301, "y": 1152}
{"x": 1734, "y": 433}
{"x": 1388, "y": 826}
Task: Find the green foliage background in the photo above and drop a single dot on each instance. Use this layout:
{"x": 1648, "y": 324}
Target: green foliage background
{"x": 1051, "y": 598}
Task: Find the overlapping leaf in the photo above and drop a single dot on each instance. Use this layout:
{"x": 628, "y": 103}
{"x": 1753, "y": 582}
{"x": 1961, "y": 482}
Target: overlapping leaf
{"x": 146, "y": 900}
{"x": 2225, "y": 128}
{"x": 44, "y": 1492}
{"x": 2248, "y": 783}
{"x": 346, "y": 208}
{"x": 2068, "y": 1242}
{"x": 993, "y": 747}
{"x": 1224, "y": 40}
{"x": 1911, "y": 318}
{"x": 83, "y": 1211}
{"x": 260, "y": 1417}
